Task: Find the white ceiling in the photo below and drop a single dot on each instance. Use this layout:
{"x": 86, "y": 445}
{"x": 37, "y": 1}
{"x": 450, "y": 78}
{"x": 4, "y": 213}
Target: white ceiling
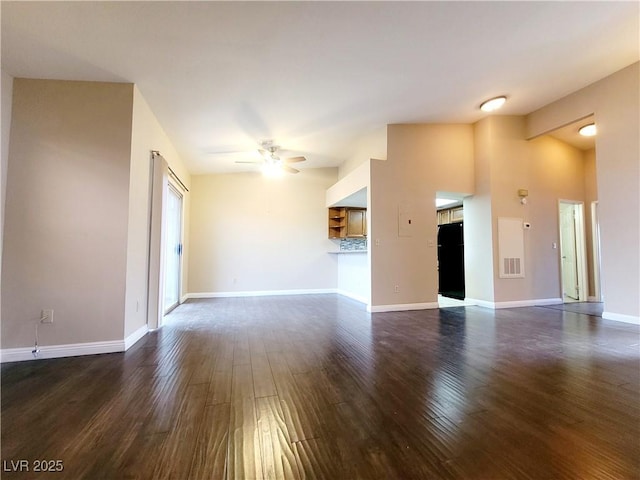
{"x": 316, "y": 76}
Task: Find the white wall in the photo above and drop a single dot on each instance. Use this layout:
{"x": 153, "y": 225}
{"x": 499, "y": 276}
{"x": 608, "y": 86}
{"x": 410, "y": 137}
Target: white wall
{"x": 65, "y": 235}
{"x": 147, "y": 135}
{"x": 354, "y": 277}
{"x": 356, "y": 180}
{"x": 251, "y": 233}
{"x": 354, "y": 270}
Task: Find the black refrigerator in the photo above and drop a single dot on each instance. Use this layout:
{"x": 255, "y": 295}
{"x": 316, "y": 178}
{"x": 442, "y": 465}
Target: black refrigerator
{"x": 451, "y": 260}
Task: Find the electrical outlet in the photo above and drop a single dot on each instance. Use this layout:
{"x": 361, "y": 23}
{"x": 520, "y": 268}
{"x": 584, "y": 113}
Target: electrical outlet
{"x": 46, "y": 316}
{"x": 397, "y": 289}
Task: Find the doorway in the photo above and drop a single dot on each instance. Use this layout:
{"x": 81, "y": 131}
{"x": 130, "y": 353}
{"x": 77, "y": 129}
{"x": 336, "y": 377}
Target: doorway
{"x": 573, "y": 264}
{"x": 450, "y": 241}
{"x": 173, "y": 250}
{"x": 451, "y": 260}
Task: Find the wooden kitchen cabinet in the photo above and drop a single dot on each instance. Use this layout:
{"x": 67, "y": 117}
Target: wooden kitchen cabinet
{"x": 356, "y": 222}
{"x": 346, "y": 222}
{"x": 450, "y": 215}
{"x": 337, "y": 222}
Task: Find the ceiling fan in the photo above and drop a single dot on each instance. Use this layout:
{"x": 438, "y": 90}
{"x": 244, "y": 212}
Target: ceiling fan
{"x": 269, "y": 153}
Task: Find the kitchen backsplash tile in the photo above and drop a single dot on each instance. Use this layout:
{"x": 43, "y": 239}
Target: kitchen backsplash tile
{"x": 350, "y": 244}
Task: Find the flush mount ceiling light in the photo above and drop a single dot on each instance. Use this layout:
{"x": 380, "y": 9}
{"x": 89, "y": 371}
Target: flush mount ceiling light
{"x": 588, "y": 130}
{"x": 493, "y": 104}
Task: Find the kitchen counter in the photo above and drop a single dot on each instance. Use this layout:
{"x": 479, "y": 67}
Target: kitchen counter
{"x": 339, "y": 252}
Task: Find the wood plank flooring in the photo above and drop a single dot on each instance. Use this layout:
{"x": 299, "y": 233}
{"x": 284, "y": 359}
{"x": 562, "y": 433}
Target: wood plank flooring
{"x": 313, "y": 387}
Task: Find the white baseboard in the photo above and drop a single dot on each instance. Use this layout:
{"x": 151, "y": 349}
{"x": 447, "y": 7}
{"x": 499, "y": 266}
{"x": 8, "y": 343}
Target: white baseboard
{"x": 538, "y": 302}
{"x": 515, "y": 303}
{"x": 619, "y": 317}
{"x": 353, "y": 296}
{"x": 480, "y": 303}
{"x": 131, "y": 340}
{"x": 59, "y": 351}
{"x": 401, "y": 307}
{"x": 72, "y": 350}
{"x": 261, "y": 293}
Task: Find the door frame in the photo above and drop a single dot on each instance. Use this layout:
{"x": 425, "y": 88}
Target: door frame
{"x": 174, "y": 189}
{"x": 160, "y": 179}
{"x": 581, "y": 250}
{"x": 595, "y": 244}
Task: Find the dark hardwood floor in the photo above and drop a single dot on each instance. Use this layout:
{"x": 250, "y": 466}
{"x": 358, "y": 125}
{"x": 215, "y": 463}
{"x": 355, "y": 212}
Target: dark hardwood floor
{"x": 314, "y": 387}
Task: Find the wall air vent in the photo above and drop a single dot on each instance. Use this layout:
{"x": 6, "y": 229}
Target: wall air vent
{"x": 511, "y": 247}
{"x": 511, "y": 266}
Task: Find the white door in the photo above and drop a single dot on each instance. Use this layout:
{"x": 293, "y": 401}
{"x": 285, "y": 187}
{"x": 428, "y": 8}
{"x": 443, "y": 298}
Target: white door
{"x": 573, "y": 256}
{"x": 173, "y": 250}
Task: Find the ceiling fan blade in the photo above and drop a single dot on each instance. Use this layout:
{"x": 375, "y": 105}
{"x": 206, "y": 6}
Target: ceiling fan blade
{"x": 295, "y": 159}
{"x": 228, "y": 149}
{"x": 286, "y": 168}
{"x": 248, "y": 161}
{"x": 225, "y": 152}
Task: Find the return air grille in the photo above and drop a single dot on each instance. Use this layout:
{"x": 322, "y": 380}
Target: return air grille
{"x": 511, "y": 247}
{"x": 511, "y": 266}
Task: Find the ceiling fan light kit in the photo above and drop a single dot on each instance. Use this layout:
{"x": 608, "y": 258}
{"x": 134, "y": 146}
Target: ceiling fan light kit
{"x": 273, "y": 164}
{"x": 270, "y": 169}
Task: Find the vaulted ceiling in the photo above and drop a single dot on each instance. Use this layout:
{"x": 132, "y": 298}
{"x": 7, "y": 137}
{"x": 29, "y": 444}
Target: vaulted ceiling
{"x": 317, "y": 76}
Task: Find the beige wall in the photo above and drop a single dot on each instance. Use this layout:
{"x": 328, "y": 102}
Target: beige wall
{"x": 253, "y": 233}
{"x": 478, "y": 221}
{"x": 615, "y": 102}
{"x": 590, "y": 196}
{"x": 551, "y": 170}
{"x": 6, "y": 87}
{"x": 371, "y": 145}
{"x": 557, "y": 173}
{"x": 65, "y": 235}
{"x": 147, "y": 135}
{"x": 494, "y": 158}
{"x": 421, "y": 160}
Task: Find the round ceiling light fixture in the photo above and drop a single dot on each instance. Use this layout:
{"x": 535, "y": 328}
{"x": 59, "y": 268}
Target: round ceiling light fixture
{"x": 493, "y": 104}
{"x": 588, "y": 130}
